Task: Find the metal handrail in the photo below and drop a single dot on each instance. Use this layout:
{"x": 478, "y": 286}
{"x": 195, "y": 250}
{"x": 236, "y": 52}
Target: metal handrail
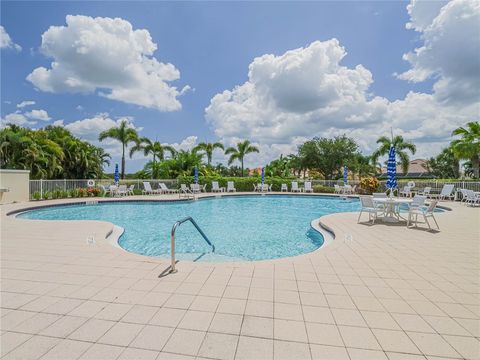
{"x": 172, "y": 239}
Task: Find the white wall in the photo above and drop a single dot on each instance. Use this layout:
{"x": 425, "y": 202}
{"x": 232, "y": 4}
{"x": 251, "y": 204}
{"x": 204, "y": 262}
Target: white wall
{"x": 17, "y": 182}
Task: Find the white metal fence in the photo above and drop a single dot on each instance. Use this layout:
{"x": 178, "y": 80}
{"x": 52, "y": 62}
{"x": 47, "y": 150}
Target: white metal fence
{"x": 43, "y": 186}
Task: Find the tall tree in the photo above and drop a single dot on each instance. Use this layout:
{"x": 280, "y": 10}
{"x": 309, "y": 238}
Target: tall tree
{"x": 468, "y": 145}
{"x": 124, "y": 134}
{"x": 154, "y": 148}
{"x": 328, "y": 156}
{"x": 243, "y": 148}
{"x": 401, "y": 147}
{"x": 445, "y": 165}
{"x": 208, "y": 149}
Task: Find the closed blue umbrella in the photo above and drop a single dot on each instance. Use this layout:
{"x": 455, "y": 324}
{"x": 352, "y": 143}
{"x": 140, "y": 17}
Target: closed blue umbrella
{"x": 116, "y": 175}
{"x": 345, "y": 174}
{"x": 391, "y": 170}
{"x": 263, "y": 175}
{"x": 195, "y": 175}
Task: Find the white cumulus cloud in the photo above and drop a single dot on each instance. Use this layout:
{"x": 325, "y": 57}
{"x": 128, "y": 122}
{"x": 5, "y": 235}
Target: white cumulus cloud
{"x": 6, "y": 41}
{"x": 306, "y": 92}
{"x": 16, "y": 118}
{"x": 25, "y": 103}
{"x": 108, "y": 57}
{"x": 38, "y": 115}
{"x": 450, "y": 51}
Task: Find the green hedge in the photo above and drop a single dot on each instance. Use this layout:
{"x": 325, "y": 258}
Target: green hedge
{"x": 323, "y": 189}
{"x": 241, "y": 184}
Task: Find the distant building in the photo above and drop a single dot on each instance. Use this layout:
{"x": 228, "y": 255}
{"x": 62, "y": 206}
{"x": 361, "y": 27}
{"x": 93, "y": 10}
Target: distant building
{"x": 416, "y": 169}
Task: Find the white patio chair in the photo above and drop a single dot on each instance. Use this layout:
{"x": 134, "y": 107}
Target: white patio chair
{"x": 472, "y": 198}
{"x": 354, "y": 189}
{"x": 231, "y": 186}
{"x": 337, "y": 189}
{"x": 216, "y": 188}
{"x": 406, "y": 191}
{"x": 130, "y": 190}
{"x": 369, "y": 207}
{"x": 203, "y": 188}
{"x": 283, "y": 188}
{"x": 105, "y": 190}
{"x": 270, "y": 187}
{"x": 417, "y": 201}
{"x": 347, "y": 189}
{"x": 112, "y": 189}
{"x": 295, "y": 187}
{"x": 308, "y": 187}
{"x": 426, "y": 212}
{"x": 255, "y": 187}
{"x": 122, "y": 190}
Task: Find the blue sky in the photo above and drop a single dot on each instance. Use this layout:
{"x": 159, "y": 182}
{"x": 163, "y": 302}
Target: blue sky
{"x": 212, "y": 45}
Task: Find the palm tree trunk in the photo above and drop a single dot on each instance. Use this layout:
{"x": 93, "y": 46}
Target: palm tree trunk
{"x": 476, "y": 166}
{"x": 242, "y": 167}
{"x": 123, "y": 161}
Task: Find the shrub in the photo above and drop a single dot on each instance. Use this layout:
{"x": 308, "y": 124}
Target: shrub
{"x": 323, "y": 189}
{"x": 64, "y": 194}
{"x": 369, "y": 185}
{"x": 36, "y": 195}
{"x": 47, "y": 195}
{"x": 93, "y": 192}
{"x": 81, "y": 192}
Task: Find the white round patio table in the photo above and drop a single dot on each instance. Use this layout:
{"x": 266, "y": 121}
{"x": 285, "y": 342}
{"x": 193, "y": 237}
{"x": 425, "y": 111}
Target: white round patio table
{"x": 391, "y": 206}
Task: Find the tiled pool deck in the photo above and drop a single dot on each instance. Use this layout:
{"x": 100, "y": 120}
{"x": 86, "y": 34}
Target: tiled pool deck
{"x": 386, "y": 293}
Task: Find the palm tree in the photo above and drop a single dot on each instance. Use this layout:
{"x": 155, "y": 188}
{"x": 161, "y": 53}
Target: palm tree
{"x": 468, "y": 146}
{"x": 122, "y": 133}
{"x": 208, "y": 148}
{"x": 154, "y": 148}
{"x": 243, "y": 148}
{"x": 401, "y": 146}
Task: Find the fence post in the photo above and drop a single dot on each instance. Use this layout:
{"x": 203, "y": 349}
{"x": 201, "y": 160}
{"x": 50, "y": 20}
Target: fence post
{"x": 41, "y": 189}
{"x": 64, "y": 184}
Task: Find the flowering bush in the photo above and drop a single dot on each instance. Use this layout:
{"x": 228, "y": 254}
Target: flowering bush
{"x": 369, "y": 185}
{"x": 93, "y": 192}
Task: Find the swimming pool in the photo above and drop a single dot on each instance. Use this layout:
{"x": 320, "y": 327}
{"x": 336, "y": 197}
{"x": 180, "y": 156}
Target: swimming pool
{"x": 240, "y": 227}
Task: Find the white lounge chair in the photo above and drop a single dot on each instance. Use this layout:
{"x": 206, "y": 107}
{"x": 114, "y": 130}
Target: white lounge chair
{"x": 130, "y": 190}
{"x": 425, "y": 192}
{"x": 464, "y": 195}
{"x": 196, "y": 189}
{"x": 283, "y": 188}
{"x": 472, "y": 198}
{"x": 231, "y": 186}
{"x": 337, "y": 189}
{"x": 406, "y": 191}
{"x": 216, "y": 188}
{"x": 347, "y": 189}
{"x": 354, "y": 189}
{"x": 270, "y": 187}
{"x": 426, "y": 212}
{"x": 185, "y": 191}
{"x": 203, "y": 188}
{"x": 371, "y": 208}
{"x": 308, "y": 187}
{"x": 295, "y": 187}
{"x": 147, "y": 189}
{"x": 166, "y": 190}
{"x": 446, "y": 192}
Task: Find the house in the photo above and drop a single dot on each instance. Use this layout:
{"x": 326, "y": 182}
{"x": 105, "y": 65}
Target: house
{"x": 417, "y": 168}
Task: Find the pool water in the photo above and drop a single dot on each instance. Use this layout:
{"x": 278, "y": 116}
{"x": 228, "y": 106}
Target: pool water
{"x": 240, "y": 227}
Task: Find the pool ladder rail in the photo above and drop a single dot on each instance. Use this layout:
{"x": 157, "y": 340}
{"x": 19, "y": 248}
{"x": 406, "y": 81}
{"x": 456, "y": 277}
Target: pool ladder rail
{"x": 172, "y": 239}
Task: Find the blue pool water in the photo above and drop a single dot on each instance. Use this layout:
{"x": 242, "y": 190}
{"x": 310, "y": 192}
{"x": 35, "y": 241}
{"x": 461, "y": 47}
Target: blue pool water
{"x": 241, "y": 227}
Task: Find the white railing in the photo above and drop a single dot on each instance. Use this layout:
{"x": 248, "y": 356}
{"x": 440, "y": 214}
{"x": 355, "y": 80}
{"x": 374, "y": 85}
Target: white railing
{"x": 43, "y": 186}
